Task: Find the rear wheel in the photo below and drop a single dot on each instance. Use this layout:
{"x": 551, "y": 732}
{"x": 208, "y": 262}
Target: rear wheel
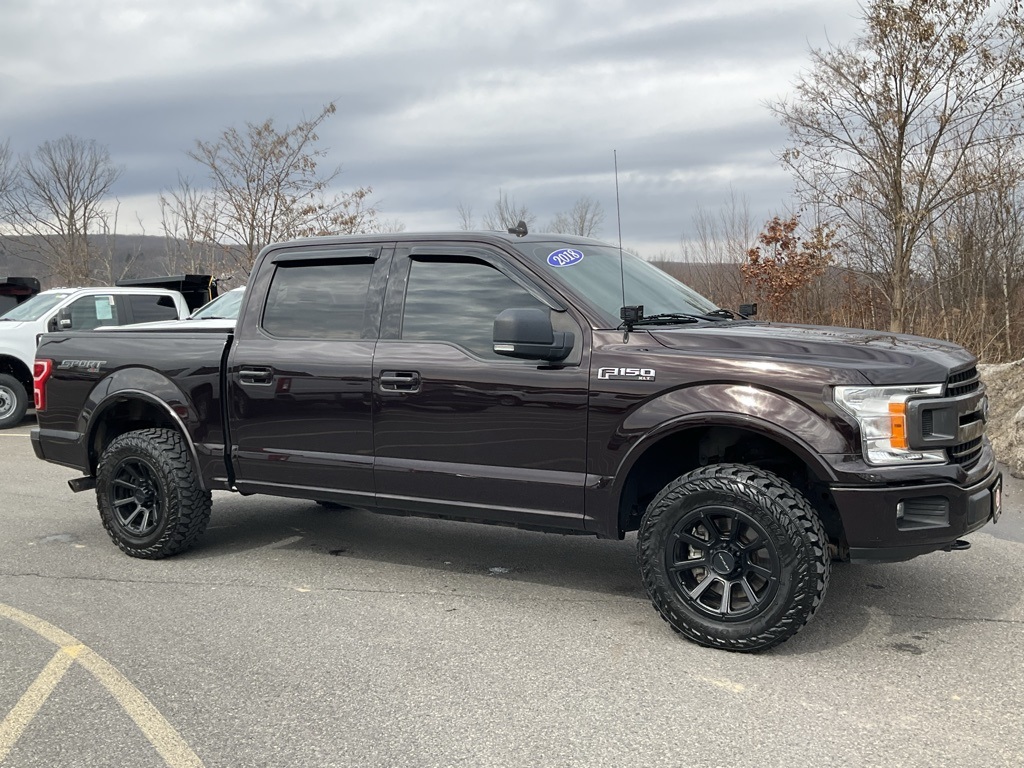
{"x": 733, "y": 557}
{"x": 13, "y": 401}
{"x": 149, "y": 497}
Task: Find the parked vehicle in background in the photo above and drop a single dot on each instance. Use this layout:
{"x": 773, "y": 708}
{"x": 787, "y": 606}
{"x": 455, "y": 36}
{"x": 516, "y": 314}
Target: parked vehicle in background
{"x": 16, "y": 290}
{"x": 542, "y": 381}
{"x": 68, "y": 309}
{"x": 198, "y": 290}
{"x": 224, "y": 307}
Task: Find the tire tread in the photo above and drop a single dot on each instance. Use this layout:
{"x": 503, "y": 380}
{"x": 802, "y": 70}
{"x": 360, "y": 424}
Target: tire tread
{"x": 799, "y": 520}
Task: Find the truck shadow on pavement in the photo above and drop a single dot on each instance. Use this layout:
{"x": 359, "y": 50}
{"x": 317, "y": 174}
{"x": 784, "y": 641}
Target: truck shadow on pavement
{"x": 908, "y": 608}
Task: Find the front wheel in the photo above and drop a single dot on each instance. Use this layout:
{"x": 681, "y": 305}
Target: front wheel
{"x": 149, "y": 497}
{"x": 733, "y": 557}
{"x": 13, "y": 401}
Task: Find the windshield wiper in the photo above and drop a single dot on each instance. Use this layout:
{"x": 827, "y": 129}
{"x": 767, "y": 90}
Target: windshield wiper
{"x": 668, "y": 318}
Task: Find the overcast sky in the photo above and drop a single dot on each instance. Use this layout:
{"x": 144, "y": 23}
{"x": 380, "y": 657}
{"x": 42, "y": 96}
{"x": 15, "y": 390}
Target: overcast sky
{"x": 439, "y": 102}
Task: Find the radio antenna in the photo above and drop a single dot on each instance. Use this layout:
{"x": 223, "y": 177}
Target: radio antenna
{"x": 618, "y": 220}
{"x": 628, "y": 315}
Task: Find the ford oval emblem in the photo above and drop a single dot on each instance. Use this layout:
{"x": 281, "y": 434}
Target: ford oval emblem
{"x": 565, "y": 257}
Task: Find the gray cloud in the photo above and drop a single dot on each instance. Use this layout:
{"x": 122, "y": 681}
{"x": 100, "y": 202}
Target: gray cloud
{"x": 438, "y": 102}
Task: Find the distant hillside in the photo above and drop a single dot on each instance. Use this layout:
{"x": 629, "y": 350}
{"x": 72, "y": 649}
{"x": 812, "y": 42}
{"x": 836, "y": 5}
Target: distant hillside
{"x": 130, "y": 256}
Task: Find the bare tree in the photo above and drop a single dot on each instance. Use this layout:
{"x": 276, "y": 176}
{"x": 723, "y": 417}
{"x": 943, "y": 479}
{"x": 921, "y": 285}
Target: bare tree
{"x": 57, "y": 200}
{"x": 883, "y": 131}
{"x": 506, "y": 213}
{"x": 712, "y": 256}
{"x": 465, "y": 216}
{"x": 267, "y": 186}
{"x": 584, "y": 218}
{"x": 112, "y": 257}
{"x": 188, "y": 218}
{"x": 8, "y": 179}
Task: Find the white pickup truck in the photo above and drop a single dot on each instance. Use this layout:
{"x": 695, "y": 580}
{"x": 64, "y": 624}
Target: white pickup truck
{"x": 68, "y": 309}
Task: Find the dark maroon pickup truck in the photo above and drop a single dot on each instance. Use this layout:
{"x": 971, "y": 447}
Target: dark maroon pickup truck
{"x": 492, "y": 377}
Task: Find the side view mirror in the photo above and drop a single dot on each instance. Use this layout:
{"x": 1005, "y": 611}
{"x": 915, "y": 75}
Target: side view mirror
{"x": 64, "y": 319}
{"x": 748, "y": 310}
{"x": 528, "y": 335}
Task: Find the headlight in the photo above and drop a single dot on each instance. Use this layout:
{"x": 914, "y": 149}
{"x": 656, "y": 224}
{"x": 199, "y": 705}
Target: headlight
{"x": 882, "y": 415}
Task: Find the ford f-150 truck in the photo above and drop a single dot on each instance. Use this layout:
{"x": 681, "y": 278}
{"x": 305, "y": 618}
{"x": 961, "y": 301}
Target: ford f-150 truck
{"x": 540, "y": 381}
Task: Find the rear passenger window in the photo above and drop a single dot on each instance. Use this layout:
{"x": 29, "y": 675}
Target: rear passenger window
{"x": 316, "y": 300}
{"x": 149, "y": 308}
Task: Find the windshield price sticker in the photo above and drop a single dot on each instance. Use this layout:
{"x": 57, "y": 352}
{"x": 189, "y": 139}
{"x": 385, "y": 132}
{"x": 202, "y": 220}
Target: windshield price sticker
{"x": 626, "y": 374}
{"x": 565, "y": 257}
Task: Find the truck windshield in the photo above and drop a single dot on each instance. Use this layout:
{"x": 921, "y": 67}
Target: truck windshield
{"x": 224, "y": 307}
{"x": 34, "y": 308}
{"x": 593, "y": 272}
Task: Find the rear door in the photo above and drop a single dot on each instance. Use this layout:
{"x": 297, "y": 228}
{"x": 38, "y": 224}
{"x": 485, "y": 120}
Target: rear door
{"x": 299, "y": 374}
{"x": 459, "y": 430}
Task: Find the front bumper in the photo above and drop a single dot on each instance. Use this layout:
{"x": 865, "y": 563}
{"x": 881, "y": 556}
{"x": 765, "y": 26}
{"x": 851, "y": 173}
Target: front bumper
{"x": 899, "y": 522}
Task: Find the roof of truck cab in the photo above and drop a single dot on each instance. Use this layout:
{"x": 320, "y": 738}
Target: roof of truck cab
{"x": 473, "y": 236}
{"x": 108, "y": 289}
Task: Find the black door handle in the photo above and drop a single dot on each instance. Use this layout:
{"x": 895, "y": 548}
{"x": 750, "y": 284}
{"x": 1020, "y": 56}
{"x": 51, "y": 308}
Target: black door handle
{"x": 400, "y": 381}
{"x": 255, "y": 375}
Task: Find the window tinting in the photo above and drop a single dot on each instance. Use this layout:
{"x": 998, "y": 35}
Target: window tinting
{"x": 318, "y": 300}
{"x": 150, "y": 308}
{"x": 458, "y": 301}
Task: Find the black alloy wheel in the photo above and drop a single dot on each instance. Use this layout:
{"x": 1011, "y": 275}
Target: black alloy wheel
{"x": 723, "y": 563}
{"x": 136, "y": 500}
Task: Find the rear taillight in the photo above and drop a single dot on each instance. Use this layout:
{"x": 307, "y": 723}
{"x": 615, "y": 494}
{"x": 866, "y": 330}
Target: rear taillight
{"x": 40, "y": 373}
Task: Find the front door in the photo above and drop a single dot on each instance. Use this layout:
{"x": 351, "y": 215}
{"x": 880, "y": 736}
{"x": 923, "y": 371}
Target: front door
{"x": 463, "y": 432}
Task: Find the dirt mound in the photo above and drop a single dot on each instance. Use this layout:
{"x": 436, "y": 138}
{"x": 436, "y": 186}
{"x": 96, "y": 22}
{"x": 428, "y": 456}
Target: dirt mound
{"x": 1005, "y": 383}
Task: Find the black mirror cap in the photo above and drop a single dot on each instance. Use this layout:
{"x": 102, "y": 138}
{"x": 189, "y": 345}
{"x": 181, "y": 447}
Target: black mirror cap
{"x": 64, "y": 319}
{"x": 748, "y": 310}
{"x": 526, "y": 333}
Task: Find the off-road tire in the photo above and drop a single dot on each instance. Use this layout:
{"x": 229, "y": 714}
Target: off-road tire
{"x": 13, "y": 401}
{"x": 149, "y": 496}
{"x": 733, "y": 557}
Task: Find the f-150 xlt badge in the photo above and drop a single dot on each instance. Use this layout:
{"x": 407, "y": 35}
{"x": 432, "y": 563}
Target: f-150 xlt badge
{"x": 90, "y": 366}
{"x": 626, "y": 374}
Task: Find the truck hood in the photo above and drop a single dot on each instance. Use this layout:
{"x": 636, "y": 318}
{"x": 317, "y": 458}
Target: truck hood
{"x": 883, "y": 358}
{"x": 7, "y": 326}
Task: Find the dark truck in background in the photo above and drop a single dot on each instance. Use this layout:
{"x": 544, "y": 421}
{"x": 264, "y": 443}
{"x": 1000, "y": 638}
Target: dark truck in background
{"x": 490, "y": 377}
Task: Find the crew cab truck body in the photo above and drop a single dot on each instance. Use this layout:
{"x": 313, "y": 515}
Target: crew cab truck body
{"x": 487, "y": 377}
{"x": 68, "y": 309}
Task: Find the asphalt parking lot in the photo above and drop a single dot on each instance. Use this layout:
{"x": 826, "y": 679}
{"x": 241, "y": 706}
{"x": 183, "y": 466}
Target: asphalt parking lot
{"x": 295, "y": 636}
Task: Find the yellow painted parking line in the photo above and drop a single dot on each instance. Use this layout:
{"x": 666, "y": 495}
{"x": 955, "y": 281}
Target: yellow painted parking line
{"x": 32, "y": 701}
{"x": 160, "y": 733}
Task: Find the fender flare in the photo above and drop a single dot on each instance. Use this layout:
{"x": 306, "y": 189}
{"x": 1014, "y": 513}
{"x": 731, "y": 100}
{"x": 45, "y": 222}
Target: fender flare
{"x": 141, "y": 384}
{"x": 729, "y": 404}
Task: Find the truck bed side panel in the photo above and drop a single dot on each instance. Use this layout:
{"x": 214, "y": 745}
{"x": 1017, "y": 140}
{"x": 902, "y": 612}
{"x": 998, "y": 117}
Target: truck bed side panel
{"x": 179, "y": 372}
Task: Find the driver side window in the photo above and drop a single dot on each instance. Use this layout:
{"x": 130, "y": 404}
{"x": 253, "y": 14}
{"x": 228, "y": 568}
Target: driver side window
{"x": 457, "y": 301}
{"x": 91, "y": 312}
